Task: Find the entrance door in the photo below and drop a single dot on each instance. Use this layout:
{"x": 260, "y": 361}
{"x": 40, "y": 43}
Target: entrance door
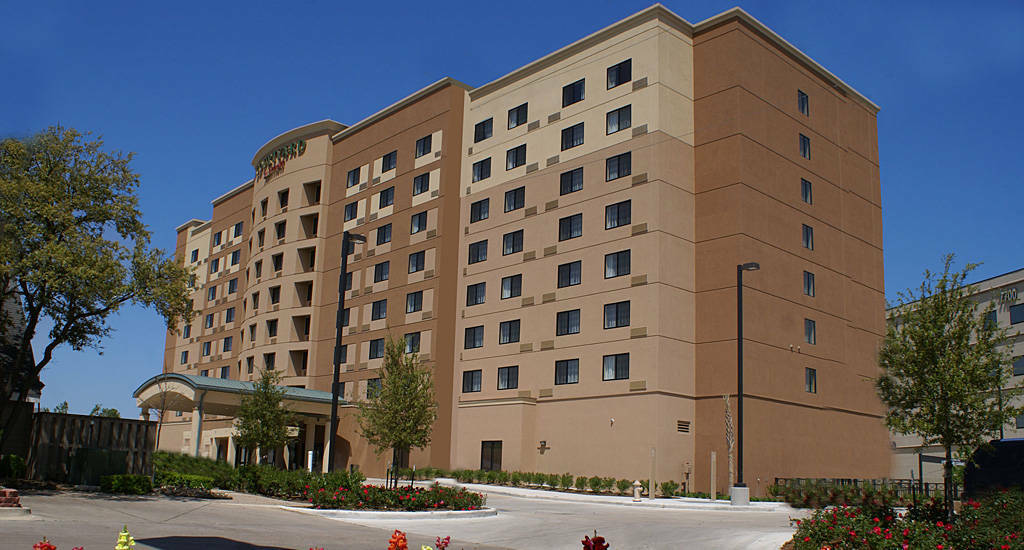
{"x": 490, "y": 455}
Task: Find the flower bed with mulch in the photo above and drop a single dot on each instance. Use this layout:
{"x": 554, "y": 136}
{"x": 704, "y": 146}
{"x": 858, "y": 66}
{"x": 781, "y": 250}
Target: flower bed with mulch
{"x": 405, "y": 499}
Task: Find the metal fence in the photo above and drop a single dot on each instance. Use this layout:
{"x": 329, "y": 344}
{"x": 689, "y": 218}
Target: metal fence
{"x": 79, "y": 449}
{"x": 909, "y": 489}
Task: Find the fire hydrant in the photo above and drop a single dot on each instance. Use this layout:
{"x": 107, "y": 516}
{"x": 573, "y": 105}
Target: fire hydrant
{"x": 637, "y": 488}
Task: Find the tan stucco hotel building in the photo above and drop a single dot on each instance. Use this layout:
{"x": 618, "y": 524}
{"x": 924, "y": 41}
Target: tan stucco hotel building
{"x": 560, "y": 245}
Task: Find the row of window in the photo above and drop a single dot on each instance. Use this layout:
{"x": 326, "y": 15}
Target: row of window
{"x": 615, "y": 167}
{"x": 616, "y": 315}
{"x": 572, "y": 93}
{"x": 389, "y": 161}
{"x": 567, "y": 371}
{"x": 217, "y": 237}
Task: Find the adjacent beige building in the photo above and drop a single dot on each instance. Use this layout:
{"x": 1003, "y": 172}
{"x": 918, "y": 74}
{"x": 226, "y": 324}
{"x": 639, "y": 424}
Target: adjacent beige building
{"x": 561, "y": 244}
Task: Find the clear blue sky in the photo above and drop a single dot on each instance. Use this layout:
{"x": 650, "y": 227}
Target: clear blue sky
{"x": 195, "y": 88}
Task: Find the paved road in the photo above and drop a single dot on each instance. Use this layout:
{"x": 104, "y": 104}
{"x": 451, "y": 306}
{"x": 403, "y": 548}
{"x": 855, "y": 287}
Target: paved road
{"x": 249, "y": 522}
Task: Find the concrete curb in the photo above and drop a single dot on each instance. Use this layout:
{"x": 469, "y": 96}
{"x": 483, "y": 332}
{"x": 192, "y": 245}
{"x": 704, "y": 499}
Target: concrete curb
{"x": 378, "y": 514}
{"x": 15, "y": 513}
{"x": 676, "y": 503}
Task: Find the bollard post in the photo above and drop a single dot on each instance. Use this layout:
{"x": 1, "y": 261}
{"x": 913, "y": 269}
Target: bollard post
{"x": 309, "y": 461}
{"x": 650, "y": 491}
{"x": 714, "y": 493}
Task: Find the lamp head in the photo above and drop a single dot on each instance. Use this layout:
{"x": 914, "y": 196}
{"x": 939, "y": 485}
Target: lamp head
{"x": 356, "y": 237}
{"x": 750, "y": 266}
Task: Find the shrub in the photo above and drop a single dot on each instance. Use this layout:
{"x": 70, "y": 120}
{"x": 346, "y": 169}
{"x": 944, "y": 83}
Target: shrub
{"x": 515, "y": 479}
{"x": 669, "y": 488}
{"x": 554, "y": 480}
{"x": 223, "y": 474}
{"x": 12, "y": 466}
{"x": 184, "y": 481}
{"x": 624, "y": 486}
{"x": 607, "y": 484}
{"x": 565, "y": 481}
{"x": 581, "y": 483}
{"x": 126, "y": 484}
{"x": 595, "y": 484}
{"x": 372, "y": 497}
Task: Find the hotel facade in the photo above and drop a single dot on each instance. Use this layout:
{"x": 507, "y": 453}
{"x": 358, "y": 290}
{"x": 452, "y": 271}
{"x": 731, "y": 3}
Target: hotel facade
{"x": 560, "y": 246}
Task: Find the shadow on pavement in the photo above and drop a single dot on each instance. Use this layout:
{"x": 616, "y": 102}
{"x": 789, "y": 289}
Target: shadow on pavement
{"x": 204, "y": 543}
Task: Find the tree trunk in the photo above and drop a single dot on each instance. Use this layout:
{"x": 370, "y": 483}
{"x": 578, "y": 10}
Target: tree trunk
{"x": 947, "y": 478}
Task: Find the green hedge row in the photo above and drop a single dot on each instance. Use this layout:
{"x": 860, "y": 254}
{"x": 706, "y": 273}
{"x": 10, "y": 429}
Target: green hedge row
{"x": 184, "y": 481}
{"x": 126, "y": 484}
{"x": 409, "y": 499}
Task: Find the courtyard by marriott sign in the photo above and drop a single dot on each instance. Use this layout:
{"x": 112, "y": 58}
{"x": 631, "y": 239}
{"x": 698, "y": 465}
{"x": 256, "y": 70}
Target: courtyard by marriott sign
{"x": 273, "y": 162}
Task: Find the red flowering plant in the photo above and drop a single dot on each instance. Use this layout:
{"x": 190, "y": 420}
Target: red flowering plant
{"x": 596, "y": 543}
{"x": 408, "y": 499}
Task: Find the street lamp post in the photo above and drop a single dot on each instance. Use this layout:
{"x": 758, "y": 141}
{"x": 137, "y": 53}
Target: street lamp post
{"x": 346, "y": 243}
{"x": 749, "y": 266}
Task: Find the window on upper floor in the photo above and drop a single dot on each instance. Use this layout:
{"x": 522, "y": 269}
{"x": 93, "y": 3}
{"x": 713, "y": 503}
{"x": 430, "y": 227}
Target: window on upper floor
{"x": 378, "y": 310}
{"x": 389, "y": 161}
{"x": 803, "y": 103}
{"x": 1018, "y": 366}
{"x": 195, "y": 255}
{"x": 571, "y": 181}
{"x": 206, "y": 349}
{"x": 386, "y": 197}
{"x": 351, "y": 211}
{"x": 515, "y": 199}
{"x": 259, "y": 237}
{"x": 810, "y": 331}
{"x": 416, "y": 261}
{"x": 279, "y": 229}
{"x": 478, "y": 251}
{"x": 810, "y": 380}
{"x": 263, "y": 208}
{"x": 808, "y": 237}
{"x": 184, "y": 357}
{"x": 186, "y": 332}
{"x": 414, "y": 301}
{"x": 515, "y": 157}
{"x": 238, "y": 229}
{"x": 275, "y": 294}
{"x": 805, "y": 146}
{"x": 216, "y": 238}
{"x": 376, "y": 348}
{"x": 483, "y": 130}
{"x": 384, "y": 234}
{"x": 570, "y": 227}
{"x": 412, "y": 342}
{"x": 616, "y": 315}
{"x": 423, "y": 146}
{"x": 282, "y": 198}
{"x": 236, "y": 256}
{"x": 1016, "y": 314}
{"x": 511, "y": 286}
{"x": 573, "y": 93}
{"x": 567, "y": 371}
{"x": 472, "y": 381}
{"x": 616, "y": 367}
{"x": 211, "y": 293}
{"x": 476, "y": 294}
{"x": 381, "y": 271}
{"x": 474, "y": 337}
{"x": 808, "y": 283}
{"x": 508, "y": 332}
{"x": 567, "y": 322}
{"x": 619, "y": 119}
{"x": 508, "y": 377}
{"x": 616, "y": 264}
{"x": 269, "y": 360}
{"x": 517, "y": 116}
{"x": 227, "y": 343}
{"x": 233, "y": 286}
{"x": 572, "y": 136}
{"x": 421, "y": 184}
{"x": 618, "y": 214}
{"x": 353, "y": 177}
{"x": 482, "y": 169}
{"x": 214, "y": 265}
{"x": 418, "y": 223}
{"x": 806, "y": 191}
{"x": 570, "y": 274}
{"x": 620, "y": 73}
{"x": 255, "y": 299}
{"x": 229, "y": 315}
{"x": 618, "y": 166}
{"x": 278, "y": 261}
{"x": 512, "y": 242}
{"x": 479, "y": 210}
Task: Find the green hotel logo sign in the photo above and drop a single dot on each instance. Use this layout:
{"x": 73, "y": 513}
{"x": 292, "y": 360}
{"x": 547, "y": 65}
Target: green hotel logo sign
{"x": 273, "y": 162}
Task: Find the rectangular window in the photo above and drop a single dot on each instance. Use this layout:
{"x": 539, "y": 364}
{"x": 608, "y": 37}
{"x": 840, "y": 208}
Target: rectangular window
{"x": 259, "y": 268}
{"x": 187, "y": 331}
{"x": 386, "y": 197}
{"x": 508, "y": 332}
{"x": 255, "y": 300}
{"x": 348, "y": 281}
{"x": 211, "y": 293}
{"x": 376, "y": 348}
{"x": 808, "y": 283}
{"x": 810, "y": 331}
{"x": 570, "y": 274}
{"x": 351, "y": 211}
{"x": 482, "y": 169}
{"x": 1020, "y": 421}
{"x": 512, "y": 242}
{"x": 389, "y": 161}
{"x": 418, "y": 223}
{"x": 345, "y": 316}
{"x": 204, "y": 372}
{"x": 483, "y": 130}
{"x": 805, "y": 146}
{"x": 423, "y": 146}
{"x": 209, "y": 321}
{"x": 474, "y": 337}
{"x": 384, "y": 234}
{"x": 620, "y": 73}
{"x": 259, "y": 237}
{"x": 476, "y": 294}
{"x": 416, "y": 261}
{"x": 372, "y": 387}
{"x": 515, "y": 199}
{"x": 184, "y": 357}
{"x": 414, "y": 301}
{"x": 271, "y": 328}
{"x": 573, "y": 93}
{"x": 1017, "y": 314}
{"x": 227, "y": 343}
{"x": 479, "y": 210}
{"x": 206, "y": 349}
{"x": 616, "y": 367}
{"x": 282, "y": 198}
{"x": 618, "y": 166}
{"x": 381, "y": 272}
{"x": 803, "y": 103}
{"x": 567, "y": 371}
{"x": 990, "y": 320}
{"x": 808, "y": 237}
{"x": 195, "y": 255}
{"x": 412, "y": 342}
{"x": 517, "y": 116}
{"x": 515, "y": 157}
{"x": 806, "y": 191}
{"x": 263, "y": 208}
{"x": 268, "y": 360}
{"x": 233, "y": 286}
{"x": 478, "y": 251}
{"x": 572, "y": 136}
{"x": 224, "y": 371}
{"x": 275, "y": 294}
{"x": 570, "y": 227}
{"x": 216, "y": 238}
{"x": 379, "y": 310}
{"x": 616, "y": 315}
{"x": 1018, "y": 366}
{"x": 214, "y": 265}
{"x": 238, "y": 229}
{"x": 511, "y": 286}
{"x": 619, "y": 119}
{"x": 249, "y": 364}
{"x": 618, "y": 214}
{"x": 236, "y": 256}
{"x": 353, "y": 177}
{"x": 508, "y": 377}
{"x": 471, "y": 381}
{"x": 421, "y": 184}
{"x": 567, "y": 322}
{"x": 229, "y": 315}
{"x": 279, "y": 229}
{"x": 570, "y": 181}
{"x": 810, "y": 380}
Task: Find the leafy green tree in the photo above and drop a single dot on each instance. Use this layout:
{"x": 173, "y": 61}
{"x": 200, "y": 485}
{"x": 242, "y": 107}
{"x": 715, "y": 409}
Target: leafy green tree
{"x": 73, "y": 251}
{"x": 262, "y": 420}
{"x": 942, "y": 367}
{"x": 61, "y": 408}
{"x": 400, "y": 413}
{"x": 99, "y": 410}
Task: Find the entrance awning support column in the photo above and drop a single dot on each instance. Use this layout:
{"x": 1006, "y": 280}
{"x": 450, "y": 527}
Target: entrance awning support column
{"x": 197, "y": 423}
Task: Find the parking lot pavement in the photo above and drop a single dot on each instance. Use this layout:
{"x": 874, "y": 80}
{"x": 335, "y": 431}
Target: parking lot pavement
{"x": 247, "y": 522}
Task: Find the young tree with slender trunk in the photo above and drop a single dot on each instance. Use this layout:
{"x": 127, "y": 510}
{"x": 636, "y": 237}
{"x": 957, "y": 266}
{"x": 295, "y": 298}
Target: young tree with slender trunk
{"x": 942, "y": 366}
{"x": 262, "y": 421}
{"x": 73, "y": 251}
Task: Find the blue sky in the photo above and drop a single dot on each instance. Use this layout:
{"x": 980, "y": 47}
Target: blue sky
{"x": 195, "y": 88}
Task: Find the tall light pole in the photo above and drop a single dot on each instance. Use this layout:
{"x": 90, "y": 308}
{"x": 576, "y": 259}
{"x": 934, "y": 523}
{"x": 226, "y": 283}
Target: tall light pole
{"x": 749, "y": 266}
{"x": 346, "y": 243}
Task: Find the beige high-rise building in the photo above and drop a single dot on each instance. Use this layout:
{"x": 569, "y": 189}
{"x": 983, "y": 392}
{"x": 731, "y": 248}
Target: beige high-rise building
{"x": 562, "y": 246}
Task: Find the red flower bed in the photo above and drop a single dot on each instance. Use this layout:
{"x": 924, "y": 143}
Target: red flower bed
{"x": 415, "y": 499}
